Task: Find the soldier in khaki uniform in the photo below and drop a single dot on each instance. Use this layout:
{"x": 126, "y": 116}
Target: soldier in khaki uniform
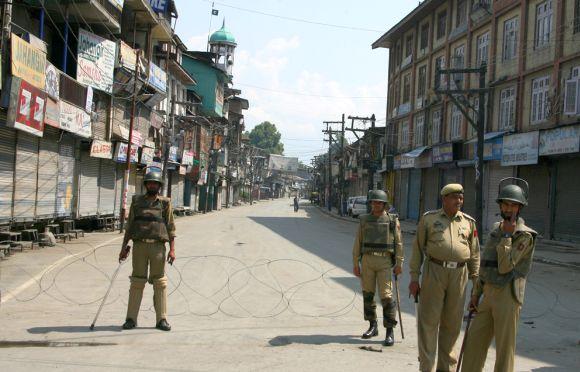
{"x": 377, "y": 247}
{"x": 150, "y": 225}
{"x": 505, "y": 263}
{"x": 446, "y": 253}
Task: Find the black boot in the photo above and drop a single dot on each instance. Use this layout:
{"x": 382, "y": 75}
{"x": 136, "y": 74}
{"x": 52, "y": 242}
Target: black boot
{"x": 372, "y": 331}
{"x": 390, "y": 337}
{"x": 163, "y": 325}
{"x": 129, "y": 324}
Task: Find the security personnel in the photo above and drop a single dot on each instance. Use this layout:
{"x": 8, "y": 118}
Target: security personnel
{"x": 377, "y": 247}
{"x": 150, "y": 225}
{"x": 446, "y": 253}
{"x": 505, "y": 263}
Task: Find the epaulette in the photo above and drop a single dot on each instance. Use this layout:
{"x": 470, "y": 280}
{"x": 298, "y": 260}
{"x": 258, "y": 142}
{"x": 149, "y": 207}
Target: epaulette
{"x": 468, "y": 216}
{"x": 430, "y": 212}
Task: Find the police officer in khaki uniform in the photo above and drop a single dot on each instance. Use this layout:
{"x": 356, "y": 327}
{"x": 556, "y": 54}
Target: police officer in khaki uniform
{"x": 377, "y": 247}
{"x": 506, "y": 261}
{"x": 445, "y": 254}
{"x": 150, "y": 225}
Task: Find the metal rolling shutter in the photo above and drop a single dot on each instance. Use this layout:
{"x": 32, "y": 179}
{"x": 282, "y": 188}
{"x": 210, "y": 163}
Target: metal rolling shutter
{"x": 119, "y": 193}
{"x": 107, "y": 182}
{"x": 431, "y": 188}
{"x": 65, "y": 186}
{"x": 89, "y": 186}
{"x": 26, "y": 177}
{"x": 567, "y": 217}
{"x": 536, "y": 214}
{"x": 47, "y": 174}
{"x": 7, "y": 154}
{"x": 404, "y": 193}
{"x": 414, "y": 193}
{"x": 492, "y": 176}
{"x": 469, "y": 191}
{"x": 181, "y": 190}
{"x": 174, "y": 189}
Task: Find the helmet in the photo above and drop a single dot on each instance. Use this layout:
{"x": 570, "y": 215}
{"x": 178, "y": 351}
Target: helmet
{"x": 378, "y": 195}
{"x": 153, "y": 177}
{"x": 512, "y": 193}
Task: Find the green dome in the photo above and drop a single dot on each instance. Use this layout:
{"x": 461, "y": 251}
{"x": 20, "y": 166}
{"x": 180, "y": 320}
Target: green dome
{"x": 222, "y": 36}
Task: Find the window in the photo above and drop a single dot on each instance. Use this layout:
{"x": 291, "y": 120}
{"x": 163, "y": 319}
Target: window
{"x": 406, "y": 88}
{"x": 507, "y": 108}
{"x": 543, "y": 24}
{"x": 441, "y": 24}
{"x": 540, "y": 100}
{"x": 404, "y": 134}
{"x": 458, "y": 62}
{"x": 399, "y": 53}
{"x": 510, "y": 38}
{"x": 461, "y": 16}
{"x": 456, "y": 121}
{"x": 576, "y": 16}
{"x": 418, "y": 130}
{"x": 436, "y": 126}
{"x": 572, "y": 93}
{"x": 482, "y": 48}
{"x": 440, "y": 80}
{"x": 409, "y": 46}
{"x": 424, "y": 41}
{"x": 422, "y": 81}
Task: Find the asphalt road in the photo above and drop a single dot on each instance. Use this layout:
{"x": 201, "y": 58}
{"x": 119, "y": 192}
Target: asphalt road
{"x": 253, "y": 288}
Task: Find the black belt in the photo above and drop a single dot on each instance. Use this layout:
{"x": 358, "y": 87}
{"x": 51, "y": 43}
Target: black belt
{"x": 488, "y": 263}
{"x": 447, "y": 264}
{"x": 378, "y": 245}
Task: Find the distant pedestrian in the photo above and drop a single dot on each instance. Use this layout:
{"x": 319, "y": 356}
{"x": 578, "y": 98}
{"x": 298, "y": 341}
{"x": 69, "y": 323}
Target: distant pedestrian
{"x": 506, "y": 261}
{"x": 295, "y": 204}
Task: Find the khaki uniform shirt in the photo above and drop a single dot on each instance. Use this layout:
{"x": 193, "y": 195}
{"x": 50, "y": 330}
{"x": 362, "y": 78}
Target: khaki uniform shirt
{"x": 446, "y": 239}
{"x": 170, "y": 223}
{"x": 357, "y": 246}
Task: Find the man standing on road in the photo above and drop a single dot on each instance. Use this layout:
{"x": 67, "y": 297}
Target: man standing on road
{"x": 377, "y": 247}
{"x": 150, "y": 225}
{"x": 295, "y": 204}
{"x": 505, "y": 263}
{"x": 446, "y": 253}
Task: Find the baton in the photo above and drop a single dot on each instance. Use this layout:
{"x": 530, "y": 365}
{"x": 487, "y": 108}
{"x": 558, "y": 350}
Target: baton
{"x": 399, "y": 306}
{"x": 469, "y": 316}
{"x": 106, "y": 295}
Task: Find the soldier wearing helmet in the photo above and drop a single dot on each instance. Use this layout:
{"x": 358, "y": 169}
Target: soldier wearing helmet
{"x": 150, "y": 225}
{"x": 506, "y": 261}
{"x": 378, "y": 250}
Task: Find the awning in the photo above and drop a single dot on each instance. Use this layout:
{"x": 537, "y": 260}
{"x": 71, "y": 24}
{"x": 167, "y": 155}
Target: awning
{"x": 487, "y": 136}
{"x": 416, "y": 152}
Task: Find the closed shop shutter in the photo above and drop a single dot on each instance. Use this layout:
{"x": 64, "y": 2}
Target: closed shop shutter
{"x": 26, "y": 176}
{"x": 404, "y": 191}
{"x": 47, "y": 174}
{"x": 536, "y": 214}
{"x": 174, "y": 189}
{"x": 495, "y": 173}
{"x": 66, "y": 170}
{"x": 567, "y": 217}
{"x": 89, "y": 186}
{"x": 181, "y": 191}
{"x": 451, "y": 175}
{"x": 7, "y": 154}
{"x": 107, "y": 182}
{"x": 469, "y": 195}
{"x": 414, "y": 193}
{"x": 431, "y": 188}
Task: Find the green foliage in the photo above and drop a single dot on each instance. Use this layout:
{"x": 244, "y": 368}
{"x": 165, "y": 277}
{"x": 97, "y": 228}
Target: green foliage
{"x": 266, "y": 136}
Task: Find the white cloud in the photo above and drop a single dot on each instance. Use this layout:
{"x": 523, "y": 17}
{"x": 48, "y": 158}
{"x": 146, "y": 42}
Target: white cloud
{"x": 198, "y": 42}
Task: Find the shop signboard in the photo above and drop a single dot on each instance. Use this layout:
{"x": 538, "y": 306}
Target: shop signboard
{"x": 397, "y": 162}
{"x": 127, "y": 56}
{"x": 96, "y": 61}
{"x": 26, "y": 108}
{"x": 101, "y": 149}
{"x": 173, "y": 154}
{"x": 443, "y": 153}
{"x": 520, "y": 149}
{"x": 52, "y": 80}
{"x": 156, "y": 120}
{"x": 74, "y": 120}
{"x": 121, "y": 153}
{"x": 563, "y": 140}
{"x": 187, "y": 158}
{"x": 157, "y": 77}
{"x": 407, "y": 162}
{"x": 28, "y": 62}
{"x": 147, "y": 154}
{"x": 159, "y": 6}
{"x": 52, "y": 113}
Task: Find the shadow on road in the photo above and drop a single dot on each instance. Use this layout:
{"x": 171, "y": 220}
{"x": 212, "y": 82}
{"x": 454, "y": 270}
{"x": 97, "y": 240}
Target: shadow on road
{"x": 321, "y": 340}
{"x": 73, "y": 329}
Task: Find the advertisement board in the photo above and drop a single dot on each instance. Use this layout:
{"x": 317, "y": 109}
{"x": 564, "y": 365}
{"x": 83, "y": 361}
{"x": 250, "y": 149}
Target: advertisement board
{"x": 520, "y": 149}
{"x": 96, "y": 61}
{"x": 28, "y": 62}
{"x": 26, "y": 108}
{"x": 74, "y": 120}
{"x": 101, "y": 149}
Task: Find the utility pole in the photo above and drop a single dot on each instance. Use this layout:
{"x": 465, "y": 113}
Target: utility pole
{"x": 129, "y": 147}
{"x": 330, "y": 132}
{"x": 372, "y": 167}
{"x": 464, "y": 106}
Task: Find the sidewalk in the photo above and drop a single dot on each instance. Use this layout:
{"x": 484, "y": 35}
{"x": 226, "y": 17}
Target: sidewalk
{"x": 550, "y": 252}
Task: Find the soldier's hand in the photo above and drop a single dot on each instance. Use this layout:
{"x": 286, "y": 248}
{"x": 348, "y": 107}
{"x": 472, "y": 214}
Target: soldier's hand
{"x": 397, "y": 270}
{"x": 473, "y": 303}
{"x": 171, "y": 256}
{"x": 356, "y": 270}
{"x": 414, "y": 289}
{"x": 124, "y": 253}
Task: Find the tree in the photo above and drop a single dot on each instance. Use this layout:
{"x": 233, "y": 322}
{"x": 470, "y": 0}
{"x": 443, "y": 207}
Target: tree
{"x": 266, "y": 136}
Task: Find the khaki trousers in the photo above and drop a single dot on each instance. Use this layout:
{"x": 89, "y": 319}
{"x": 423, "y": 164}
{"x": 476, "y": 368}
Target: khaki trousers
{"x": 441, "y": 304}
{"x": 498, "y": 315}
{"x": 148, "y": 266}
{"x": 376, "y": 271}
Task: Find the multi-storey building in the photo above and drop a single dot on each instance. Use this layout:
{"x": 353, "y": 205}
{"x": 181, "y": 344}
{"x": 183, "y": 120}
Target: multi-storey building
{"x": 532, "y": 53}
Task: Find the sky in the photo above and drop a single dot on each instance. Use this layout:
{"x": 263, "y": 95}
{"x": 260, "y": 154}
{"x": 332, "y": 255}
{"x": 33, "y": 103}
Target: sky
{"x": 299, "y": 74}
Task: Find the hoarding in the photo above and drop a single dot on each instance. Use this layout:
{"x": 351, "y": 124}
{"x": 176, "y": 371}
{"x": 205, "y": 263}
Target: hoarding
{"x": 283, "y": 163}
{"x": 96, "y": 61}
{"x": 26, "y": 108}
{"x": 520, "y": 149}
{"x": 74, "y": 120}
{"x": 28, "y": 62}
